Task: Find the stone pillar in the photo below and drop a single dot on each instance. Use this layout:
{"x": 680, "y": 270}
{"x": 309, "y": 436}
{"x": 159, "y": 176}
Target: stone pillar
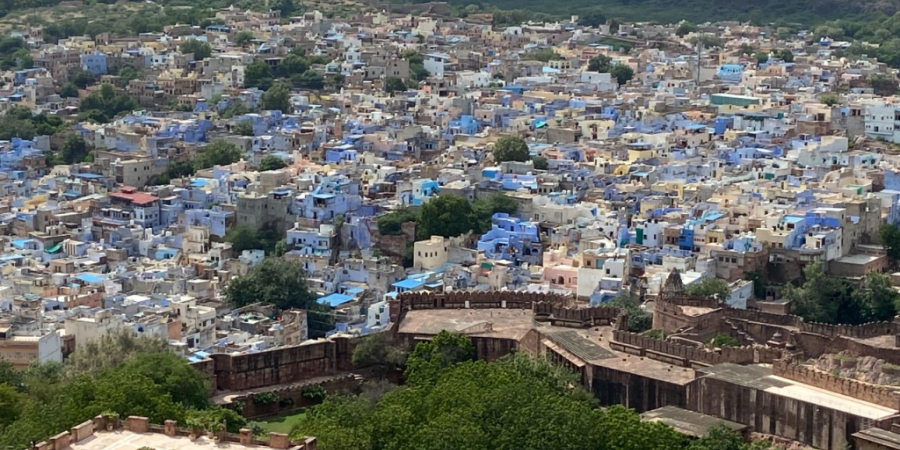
{"x": 171, "y": 428}
{"x": 897, "y": 340}
{"x": 60, "y": 441}
{"x": 138, "y": 424}
{"x": 279, "y": 441}
{"x": 246, "y": 436}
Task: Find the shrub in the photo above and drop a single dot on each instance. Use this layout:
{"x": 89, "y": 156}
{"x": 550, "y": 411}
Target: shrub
{"x": 265, "y": 398}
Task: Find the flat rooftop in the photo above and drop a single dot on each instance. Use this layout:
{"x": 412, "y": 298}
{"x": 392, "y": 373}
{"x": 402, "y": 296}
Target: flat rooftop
{"x": 500, "y": 322}
{"x": 688, "y": 422}
{"x": 759, "y": 376}
{"x": 126, "y": 440}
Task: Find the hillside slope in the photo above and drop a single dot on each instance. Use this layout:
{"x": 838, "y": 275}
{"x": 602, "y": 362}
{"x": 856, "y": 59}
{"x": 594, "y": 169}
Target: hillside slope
{"x": 671, "y": 11}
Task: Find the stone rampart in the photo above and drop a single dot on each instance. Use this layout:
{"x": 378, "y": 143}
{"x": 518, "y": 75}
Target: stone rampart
{"x": 670, "y": 352}
{"x": 879, "y": 395}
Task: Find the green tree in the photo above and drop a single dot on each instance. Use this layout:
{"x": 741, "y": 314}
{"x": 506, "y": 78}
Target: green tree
{"x": 825, "y": 299}
{"x": 200, "y": 49}
{"x": 830, "y": 99}
{"x": 785, "y": 55}
{"x": 543, "y": 55}
{"x": 592, "y": 19}
{"x": 877, "y": 297}
{"x": 445, "y": 215}
{"x": 511, "y": 148}
{"x": 685, "y": 28}
{"x": 286, "y": 7}
{"x": 308, "y": 80}
{"x": 10, "y": 405}
{"x": 68, "y": 90}
{"x": 622, "y": 73}
{"x": 715, "y": 288}
{"x": 74, "y": 149}
{"x": 890, "y": 239}
{"x": 540, "y": 163}
{"x": 761, "y": 57}
{"x": 290, "y": 65}
{"x": 391, "y": 224}
{"x": 600, "y": 63}
{"x": 377, "y": 350}
{"x": 109, "y": 351}
{"x": 882, "y": 84}
{"x": 82, "y": 78}
{"x": 258, "y": 75}
{"x": 429, "y": 358}
{"x": 394, "y": 84}
{"x": 639, "y": 320}
{"x": 724, "y": 340}
{"x": 271, "y": 162}
{"x": 243, "y": 128}
{"x": 217, "y": 153}
{"x": 274, "y": 280}
{"x": 243, "y": 237}
{"x": 277, "y": 97}
{"x": 179, "y": 169}
{"x": 243, "y": 38}
{"x": 127, "y": 73}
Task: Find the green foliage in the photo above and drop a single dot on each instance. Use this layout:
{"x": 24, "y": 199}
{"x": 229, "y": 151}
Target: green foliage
{"x": 217, "y": 153}
{"x": 830, "y": 99}
{"x": 20, "y": 122}
{"x": 511, "y": 148}
{"x": 639, "y": 320}
{"x": 540, "y": 163}
{"x": 710, "y": 288}
{"x": 314, "y": 393}
{"x": 265, "y": 398}
{"x": 890, "y": 239}
{"x": 543, "y": 55}
{"x": 283, "y": 284}
{"x": 394, "y": 84}
{"x": 655, "y": 334}
{"x": 243, "y": 128}
{"x": 445, "y": 215}
{"x": 722, "y": 438}
{"x": 111, "y": 350}
{"x": 592, "y": 19}
{"x": 390, "y": 224}
{"x": 724, "y": 340}
{"x": 200, "y": 49}
{"x": 179, "y": 169}
{"x": 377, "y": 350}
{"x": 600, "y": 63}
{"x": 685, "y": 28}
{"x": 515, "y": 403}
{"x": 68, "y": 90}
{"x": 259, "y": 75}
{"x": 74, "y": 149}
{"x": 271, "y": 162}
{"x": 243, "y": 38}
{"x": 761, "y": 57}
{"x": 105, "y": 104}
{"x": 121, "y": 382}
{"x": 882, "y": 84}
{"x": 833, "y": 300}
{"x": 127, "y": 73}
{"x": 621, "y": 73}
{"x": 784, "y": 54}
{"x": 82, "y": 78}
{"x": 290, "y": 65}
{"x": 308, "y": 80}
{"x": 277, "y": 97}
{"x": 243, "y": 237}
{"x": 430, "y": 358}
{"x": 215, "y": 418}
{"x": 235, "y": 109}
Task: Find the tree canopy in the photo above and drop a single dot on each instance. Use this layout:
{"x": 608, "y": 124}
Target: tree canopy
{"x": 217, "y": 153}
{"x": 600, "y": 63}
{"x": 511, "y": 148}
{"x": 825, "y": 299}
{"x": 890, "y": 239}
{"x": 393, "y": 84}
{"x": 103, "y": 105}
{"x": 710, "y": 288}
{"x": 621, "y": 73}
{"x": 451, "y": 401}
{"x": 200, "y": 49}
{"x": 120, "y": 373}
{"x": 271, "y": 162}
{"x": 277, "y": 97}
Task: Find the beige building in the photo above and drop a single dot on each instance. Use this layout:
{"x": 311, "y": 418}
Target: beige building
{"x": 430, "y": 254}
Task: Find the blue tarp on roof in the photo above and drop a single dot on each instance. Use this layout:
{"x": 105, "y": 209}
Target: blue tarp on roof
{"x": 89, "y": 277}
{"x": 335, "y": 300}
{"x": 408, "y": 284}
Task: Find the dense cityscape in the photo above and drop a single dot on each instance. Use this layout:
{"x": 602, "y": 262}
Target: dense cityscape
{"x": 416, "y": 226}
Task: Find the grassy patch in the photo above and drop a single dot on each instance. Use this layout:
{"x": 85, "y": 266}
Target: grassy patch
{"x": 282, "y": 424}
